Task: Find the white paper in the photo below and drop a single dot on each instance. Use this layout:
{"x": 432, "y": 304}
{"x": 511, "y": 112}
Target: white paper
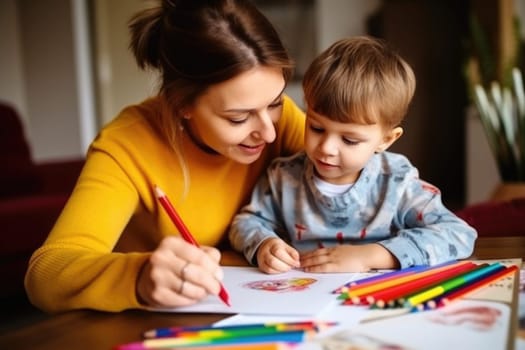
{"x": 294, "y": 293}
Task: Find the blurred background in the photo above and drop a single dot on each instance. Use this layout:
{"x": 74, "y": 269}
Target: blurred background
{"x": 66, "y": 68}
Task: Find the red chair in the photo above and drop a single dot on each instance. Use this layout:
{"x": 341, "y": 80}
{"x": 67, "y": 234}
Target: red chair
{"x": 31, "y": 198}
{"x": 496, "y": 218}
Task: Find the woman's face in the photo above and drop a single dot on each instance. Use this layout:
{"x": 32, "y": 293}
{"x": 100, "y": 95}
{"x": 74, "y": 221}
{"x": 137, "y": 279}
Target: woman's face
{"x": 236, "y": 118}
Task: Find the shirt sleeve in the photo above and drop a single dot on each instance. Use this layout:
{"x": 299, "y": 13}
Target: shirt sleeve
{"x": 257, "y": 221}
{"x": 429, "y": 233}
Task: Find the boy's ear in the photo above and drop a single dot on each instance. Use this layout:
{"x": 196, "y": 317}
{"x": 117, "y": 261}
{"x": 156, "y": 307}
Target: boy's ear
{"x": 389, "y": 138}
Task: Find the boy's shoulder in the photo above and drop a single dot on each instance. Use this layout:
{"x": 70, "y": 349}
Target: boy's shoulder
{"x": 288, "y": 163}
{"x": 392, "y": 163}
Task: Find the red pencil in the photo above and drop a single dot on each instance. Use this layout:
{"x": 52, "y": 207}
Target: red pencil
{"x": 183, "y": 230}
{"x": 469, "y": 288}
{"x": 383, "y": 297}
{"x": 366, "y": 289}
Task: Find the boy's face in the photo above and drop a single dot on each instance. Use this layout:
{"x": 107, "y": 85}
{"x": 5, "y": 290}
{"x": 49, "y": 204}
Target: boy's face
{"x": 340, "y": 151}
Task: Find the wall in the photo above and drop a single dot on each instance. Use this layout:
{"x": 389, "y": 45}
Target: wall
{"x": 118, "y": 79}
{"x": 40, "y": 78}
{"x": 12, "y": 87}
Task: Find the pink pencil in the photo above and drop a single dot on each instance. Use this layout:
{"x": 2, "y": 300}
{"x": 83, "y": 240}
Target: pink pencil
{"x": 183, "y": 230}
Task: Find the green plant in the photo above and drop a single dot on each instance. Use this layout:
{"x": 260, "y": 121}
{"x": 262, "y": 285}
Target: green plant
{"x": 495, "y": 85}
{"x": 502, "y": 113}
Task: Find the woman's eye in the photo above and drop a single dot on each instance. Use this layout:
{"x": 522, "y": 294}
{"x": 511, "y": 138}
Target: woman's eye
{"x": 238, "y": 121}
{"x": 276, "y": 104}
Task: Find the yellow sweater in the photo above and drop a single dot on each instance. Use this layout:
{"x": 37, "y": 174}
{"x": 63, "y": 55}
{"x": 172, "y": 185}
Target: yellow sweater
{"x": 82, "y": 263}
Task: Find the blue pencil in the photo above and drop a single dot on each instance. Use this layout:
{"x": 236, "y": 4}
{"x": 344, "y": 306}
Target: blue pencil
{"x": 296, "y": 336}
{"x": 301, "y": 325}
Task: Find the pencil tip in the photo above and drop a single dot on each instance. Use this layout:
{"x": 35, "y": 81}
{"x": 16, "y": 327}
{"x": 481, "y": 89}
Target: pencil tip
{"x": 158, "y": 191}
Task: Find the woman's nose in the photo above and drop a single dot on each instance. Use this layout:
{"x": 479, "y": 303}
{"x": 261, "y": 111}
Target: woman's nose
{"x": 266, "y": 130}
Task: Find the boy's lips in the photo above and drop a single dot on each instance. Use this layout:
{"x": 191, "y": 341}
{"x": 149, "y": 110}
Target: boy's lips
{"x": 325, "y": 165}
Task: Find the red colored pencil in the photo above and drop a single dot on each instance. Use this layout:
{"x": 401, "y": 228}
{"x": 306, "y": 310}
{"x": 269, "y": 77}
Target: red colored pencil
{"x": 383, "y": 297}
{"x": 183, "y": 230}
{"x": 470, "y": 288}
{"x": 380, "y": 277}
{"x": 365, "y": 289}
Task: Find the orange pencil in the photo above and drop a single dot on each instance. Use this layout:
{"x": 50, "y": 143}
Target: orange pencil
{"x": 360, "y": 290}
{"x": 462, "y": 292}
{"x": 383, "y": 297}
{"x": 381, "y": 277}
{"x": 183, "y": 230}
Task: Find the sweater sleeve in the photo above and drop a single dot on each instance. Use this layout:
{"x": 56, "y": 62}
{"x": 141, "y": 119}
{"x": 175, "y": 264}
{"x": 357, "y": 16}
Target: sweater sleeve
{"x": 76, "y": 268}
{"x": 430, "y": 233}
{"x": 257, "y": 221}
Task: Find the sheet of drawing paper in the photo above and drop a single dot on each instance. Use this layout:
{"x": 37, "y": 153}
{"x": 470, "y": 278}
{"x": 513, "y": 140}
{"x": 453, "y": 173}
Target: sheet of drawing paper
{"x": 291, "y": 293}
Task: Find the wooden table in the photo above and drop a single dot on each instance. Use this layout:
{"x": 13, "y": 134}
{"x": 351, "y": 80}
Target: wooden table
{"x": 95, "y": 330}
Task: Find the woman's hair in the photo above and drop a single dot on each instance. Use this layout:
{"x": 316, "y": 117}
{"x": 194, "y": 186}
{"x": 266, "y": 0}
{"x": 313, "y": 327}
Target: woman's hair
{"x": 198, "y": 43}
{"x": 360, "y": 80}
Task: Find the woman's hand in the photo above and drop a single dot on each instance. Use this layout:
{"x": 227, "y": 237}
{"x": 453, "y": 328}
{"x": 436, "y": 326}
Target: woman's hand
{"x": 275, "y": 256}
{"x": 179, "y": 273}
{"x": 348, "y": 258}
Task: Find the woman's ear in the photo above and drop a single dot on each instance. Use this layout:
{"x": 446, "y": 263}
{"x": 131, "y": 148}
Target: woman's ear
{"x": 389, "y": 138}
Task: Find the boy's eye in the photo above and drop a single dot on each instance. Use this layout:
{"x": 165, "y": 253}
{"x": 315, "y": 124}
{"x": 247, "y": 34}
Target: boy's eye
{"x": 316, "y": 129}
{"x": 350, "y": 142}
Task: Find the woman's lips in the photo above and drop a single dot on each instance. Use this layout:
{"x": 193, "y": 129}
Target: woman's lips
{"x": 251, "y": 150}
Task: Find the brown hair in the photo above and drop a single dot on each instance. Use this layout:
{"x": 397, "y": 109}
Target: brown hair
{"x": 198, "y": 43}
{"x": 361, "y": 80}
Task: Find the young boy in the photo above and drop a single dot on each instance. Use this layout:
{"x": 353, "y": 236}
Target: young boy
{"x": 345, "y": 204}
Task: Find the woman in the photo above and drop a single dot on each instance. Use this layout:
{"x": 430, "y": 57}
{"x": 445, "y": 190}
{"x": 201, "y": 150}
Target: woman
{"x": 219, "y": 118}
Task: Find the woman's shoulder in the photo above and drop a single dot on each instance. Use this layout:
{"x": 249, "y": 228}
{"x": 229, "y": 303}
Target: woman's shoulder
{"x": 132, "y": 124}
{"x": 133, "y": 117}
{"x": 292, "y": 111}
{"x": 288, "y": 164}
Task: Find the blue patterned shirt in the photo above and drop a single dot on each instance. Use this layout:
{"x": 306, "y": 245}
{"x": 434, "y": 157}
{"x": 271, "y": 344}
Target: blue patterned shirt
{"x": 388, "y": 204}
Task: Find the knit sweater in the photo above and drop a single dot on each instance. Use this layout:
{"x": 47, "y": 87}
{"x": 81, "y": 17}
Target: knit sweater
{"x": 388, "y": 204}
{"x": 113, "y": 209}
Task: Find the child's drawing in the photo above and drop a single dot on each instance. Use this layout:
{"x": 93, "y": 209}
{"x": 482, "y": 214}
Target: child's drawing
{"x": 281, "y": 285}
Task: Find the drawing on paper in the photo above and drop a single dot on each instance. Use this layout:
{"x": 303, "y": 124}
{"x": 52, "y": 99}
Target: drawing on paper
{"x": 293, "y": 284}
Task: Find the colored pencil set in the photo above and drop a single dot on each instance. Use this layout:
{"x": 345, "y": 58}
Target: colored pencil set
{"x": 422, "y": 287}
{"x": 263, "y": 336}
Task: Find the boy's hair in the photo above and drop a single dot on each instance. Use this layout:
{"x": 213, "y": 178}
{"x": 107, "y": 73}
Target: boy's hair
{"x": 360, "y": 80}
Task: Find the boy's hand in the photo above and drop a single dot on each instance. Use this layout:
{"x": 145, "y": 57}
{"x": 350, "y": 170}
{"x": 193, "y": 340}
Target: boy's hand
{"x": 348, "y": 258}
{"x": 276, "y": 256}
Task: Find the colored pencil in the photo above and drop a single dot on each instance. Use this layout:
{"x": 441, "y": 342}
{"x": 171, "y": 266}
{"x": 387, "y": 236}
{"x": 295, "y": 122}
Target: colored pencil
{"x": 255, "y": 346}
{"x": 237, "y": 329}
{"x": 183, "y": 230}
{"x": 294, "y": 336}
{"x": 175, "y": 331}
{"x": 483, "y": 282}
{"x": 377, "y": 277}
{"x": 451, "y": 284}
{"x": 388, "y": 275}
{"x": 358, "y": 290}
{"x": 385, "y": 297}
